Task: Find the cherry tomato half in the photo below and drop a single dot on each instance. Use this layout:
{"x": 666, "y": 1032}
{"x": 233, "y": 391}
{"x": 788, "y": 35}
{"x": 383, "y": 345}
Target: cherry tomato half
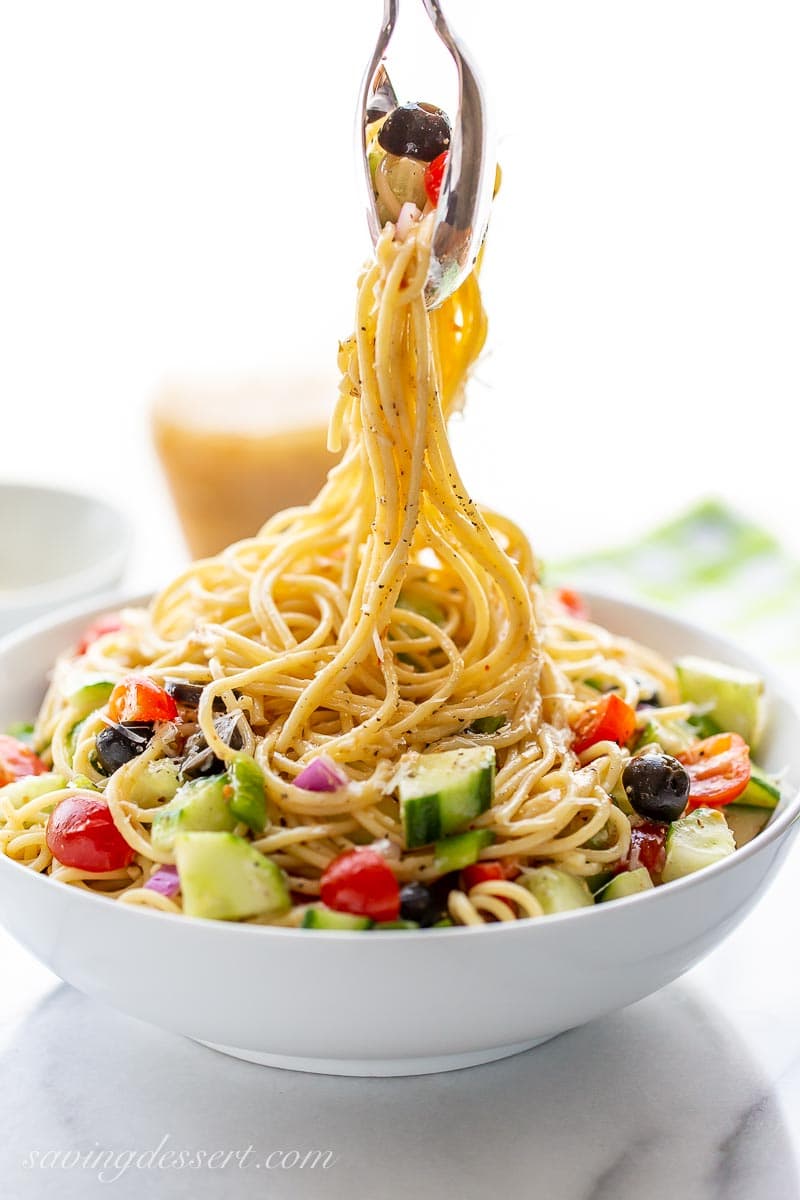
{"x": 610, "y": 720}
{"x": 434, "y": 174}
{"x": 137, "y": 698}
{"x": 110, "y": 623}
{"x": 81, "y": 833}
{"x": 483, "y": 872}
{"x": 574, "y": 603}
{"x": 362, "y": 882}
{"x": 17, "y": 760}
{"x": 718, "y": 768}
{"x": 648, "y": 841}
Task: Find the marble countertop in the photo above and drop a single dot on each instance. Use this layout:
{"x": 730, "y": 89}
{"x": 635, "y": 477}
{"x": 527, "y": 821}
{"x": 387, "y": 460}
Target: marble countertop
{"x": 694, "y": 1093}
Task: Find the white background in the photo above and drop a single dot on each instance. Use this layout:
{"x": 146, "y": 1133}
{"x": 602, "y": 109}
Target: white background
{"x": 178, "y": 195}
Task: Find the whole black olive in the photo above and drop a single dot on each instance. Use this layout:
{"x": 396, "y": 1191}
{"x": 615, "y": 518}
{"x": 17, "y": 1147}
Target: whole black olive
{"x": 415, "y": 131}
{"x": 417, "y": 904}
{"x": 657, "y": 786}
{"x": 118, "y": 744}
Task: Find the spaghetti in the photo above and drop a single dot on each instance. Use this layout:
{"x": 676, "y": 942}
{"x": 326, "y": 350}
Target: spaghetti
{"x": 390, "y": 619}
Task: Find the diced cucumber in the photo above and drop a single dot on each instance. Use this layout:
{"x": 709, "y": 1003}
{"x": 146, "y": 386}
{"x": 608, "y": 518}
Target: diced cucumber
{"x": 599, "y": 840}
{"x": 620, "y": 798}
{"x": 84, "y": 783}
{"x": 555, "y": 890}
{"x": 703, "y": 725}
{"x": 762, "y": 791}
{"x": 21, "y": 791}
{"x": 158, "y": 781}
{"x": 445, "y": 923}
{"x": 487, "y": 724}
{"x": 695, "y": 841}
{"x": 397, "y": 925}
{"x": 454, "y": 853}
{"x": 91, "y": 696}
{"x": 627, "y": 883}
{"x": 318, "y": 916}
{"x": 441, "y": 793}
{"x": 744, "y": 822}
{"x": 23, "y": 731}
{"x": 672, "y": 736}
{"x": 224, "y": 878}
{"x": 735, "y": 697}
{"x": 249, "y": 800}
{"x": 200, "y": 805}
{"x": 596, "y": 883}
{"x": 426, "y": 608}
{"x": 72, "y": 738}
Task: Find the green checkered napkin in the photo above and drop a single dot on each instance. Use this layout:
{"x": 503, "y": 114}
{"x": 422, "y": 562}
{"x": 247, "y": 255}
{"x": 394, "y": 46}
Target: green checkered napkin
{"x": 712, "y": 567}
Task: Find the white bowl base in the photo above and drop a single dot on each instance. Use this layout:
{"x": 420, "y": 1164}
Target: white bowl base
{"x": 378, "y": 1067}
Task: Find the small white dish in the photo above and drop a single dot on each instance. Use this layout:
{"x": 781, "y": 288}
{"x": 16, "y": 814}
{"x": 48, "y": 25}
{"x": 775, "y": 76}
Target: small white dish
{"x": 394, "y": 1003}
{"x": 56, "y": 547}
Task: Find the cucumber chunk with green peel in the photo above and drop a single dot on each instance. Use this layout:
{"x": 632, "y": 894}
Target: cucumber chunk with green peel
{"x": 200, "y": 805}
{"x": 734, "y": 697}
{"x": 441, "y": 793}
{"x": 761, "y": 792}
{"x": 91, "y": 696}
{"x": 320, "y": 917}
{"x": 672, "y": 736}
{"x": 461, "y": 850}
{"x": 627, "y": 883}
{"x": 158, "y": 781}
{"x": 249, "y": 799}
{"x": 487, "y": 724}
{"x": 596, "y": 883}
{"x": 744, "y": 822}
{"x": 396, "y": 925}
{"x": 224, "y": 878}
{"x": 703, "y": 725}
{"x": 556, "y": 890}
{"x": 695, "y": 841}
{"x": 20, "y": 791}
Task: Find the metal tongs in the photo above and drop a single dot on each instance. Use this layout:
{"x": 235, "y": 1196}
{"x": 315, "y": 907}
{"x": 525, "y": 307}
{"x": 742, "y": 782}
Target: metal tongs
{"x": 462, "y": 213}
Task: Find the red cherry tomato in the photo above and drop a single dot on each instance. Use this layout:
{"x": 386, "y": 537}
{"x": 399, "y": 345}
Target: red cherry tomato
{"x": 110, "y": 623}
{"x": 482, "y": 872}
{"x": 647, "y": 847}
{"x": 137, "y": 698}
{"x": 574, "y": 603}
{"x": 362, "y": 882}
{"x": 434, "y": 174}
{"x": 610, "y": 720}
{"x": 719, "y": 769}
{"x": 81, "y": 833}
{"x": 17, "y": 760}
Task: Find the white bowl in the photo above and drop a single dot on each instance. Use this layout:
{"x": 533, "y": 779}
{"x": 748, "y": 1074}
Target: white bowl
{"x": 56, "y": 547}
{"x": 395, "y": 1003}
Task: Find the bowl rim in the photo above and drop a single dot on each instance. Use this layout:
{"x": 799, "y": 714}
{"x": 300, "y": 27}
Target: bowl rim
{"x": 777, "y": 687}
{"x": 60, "y": 589}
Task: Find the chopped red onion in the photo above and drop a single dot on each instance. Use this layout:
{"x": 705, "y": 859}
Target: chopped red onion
{"x": 165, "y": 881}
{"x": 322, "y": 775}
